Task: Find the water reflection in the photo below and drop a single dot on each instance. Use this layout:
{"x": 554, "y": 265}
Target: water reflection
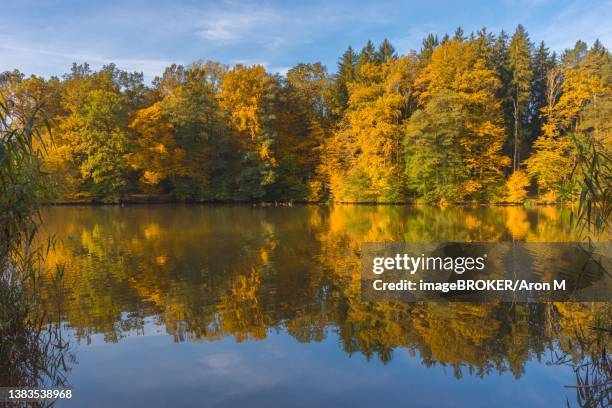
{"x": 208, "y": 273}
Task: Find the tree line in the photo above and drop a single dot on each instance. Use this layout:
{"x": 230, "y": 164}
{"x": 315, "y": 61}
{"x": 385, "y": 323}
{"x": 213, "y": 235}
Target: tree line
{"x": 479, "y": 117}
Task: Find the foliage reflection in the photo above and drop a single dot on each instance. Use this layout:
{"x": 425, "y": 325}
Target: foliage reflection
{"x": 204, "y": 273}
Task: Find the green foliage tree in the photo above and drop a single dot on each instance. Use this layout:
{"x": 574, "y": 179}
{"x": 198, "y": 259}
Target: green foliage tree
{"x": 304, "y": 122}
{"x": 345, "y": 75}
{"x": 520, "y": 75}
{"x": 429, "y": 44}
{"x": 247, "y": 97}
{"x": 199, "y": 130}
{"x": 457, "y": 90}
{"x": 434, "y": 166}
{"x": 102, "y": 144}
{"x": 543, "y": 62}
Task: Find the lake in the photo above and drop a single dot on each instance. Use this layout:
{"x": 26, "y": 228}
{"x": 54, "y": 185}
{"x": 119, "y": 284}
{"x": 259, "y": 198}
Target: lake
{"x": 187, "y": 305}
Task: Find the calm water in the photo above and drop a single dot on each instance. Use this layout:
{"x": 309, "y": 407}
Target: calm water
{"x": 260, "y": 306}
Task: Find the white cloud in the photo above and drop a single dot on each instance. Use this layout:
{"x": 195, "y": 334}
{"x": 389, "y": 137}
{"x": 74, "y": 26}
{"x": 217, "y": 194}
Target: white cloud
{"x": 232, "y": 368}
{"x": 238, "y": 25}
{"x": 579, "y": 20}
{"x": 46, "y": 58}
{"x": 248, "y": 24}
{"x": 273, "y": 35}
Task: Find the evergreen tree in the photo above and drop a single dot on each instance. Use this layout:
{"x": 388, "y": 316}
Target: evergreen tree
{"x": 204, "y": 132}
{"x": 386, "y": 52}
{"x": 484, "y": 43}
{"x": 573, "y": 57}
{"x": 543, "y": 62}
{"x": 429, "y": 44}
{"x": 521, "y": 74}
{"x": 499, "y": 54}
{"x": 459, "y": 34}
{"x": 303, "y": 123}
{"x": 346, "y": 74}
{"x": 368, "y": 54}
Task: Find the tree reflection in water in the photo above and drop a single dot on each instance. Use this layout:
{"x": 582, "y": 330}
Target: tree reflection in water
{"x": 204, "y": 273}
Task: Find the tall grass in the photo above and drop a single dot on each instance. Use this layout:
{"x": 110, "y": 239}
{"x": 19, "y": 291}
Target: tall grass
{"x": 588, "y": 355}
{"x": 594, "y": 172}
{"x": 32, "y": 350}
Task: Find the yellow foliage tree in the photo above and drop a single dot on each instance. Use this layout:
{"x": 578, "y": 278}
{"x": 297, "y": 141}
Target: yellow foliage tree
{"x": 584, "y": 86}
{"x": 457, "y": 88}
{"x": 364, "y": 157}
{"x": 247, "y": 96}
{"x": 517, "y": 187}
{"x": 158, "y": 156}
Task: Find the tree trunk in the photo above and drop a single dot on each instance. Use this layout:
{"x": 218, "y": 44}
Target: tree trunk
{"x": 515, "y": 158}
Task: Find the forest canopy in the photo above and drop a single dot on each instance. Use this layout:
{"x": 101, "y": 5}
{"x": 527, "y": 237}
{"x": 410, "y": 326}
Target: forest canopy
{"x": 482, "y": 117}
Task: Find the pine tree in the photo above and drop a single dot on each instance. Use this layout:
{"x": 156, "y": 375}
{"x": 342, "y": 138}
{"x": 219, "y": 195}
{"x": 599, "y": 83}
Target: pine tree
{"x": 543, "y": 62}
{"x": 386, "y": 52}
{"x": 346, "y": 74}
{"x": 367, "y": 55}
{"x": 573, "y": 57}
{"x": 429, "y": 44}
{"x": 520, "y": 70}
{"x": 459, "y": 34}
{"x": 499, "y": 56}
{"x": 484, "y": 43}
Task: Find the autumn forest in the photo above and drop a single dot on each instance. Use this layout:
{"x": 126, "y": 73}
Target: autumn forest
{"x": 479, "y": 117}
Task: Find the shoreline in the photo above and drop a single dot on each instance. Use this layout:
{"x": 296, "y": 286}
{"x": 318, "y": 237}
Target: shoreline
{"x": 140, "y": 202}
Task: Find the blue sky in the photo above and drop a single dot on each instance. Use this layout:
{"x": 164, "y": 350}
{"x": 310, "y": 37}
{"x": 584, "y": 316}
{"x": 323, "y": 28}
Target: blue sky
{"x": 44, "y": 37}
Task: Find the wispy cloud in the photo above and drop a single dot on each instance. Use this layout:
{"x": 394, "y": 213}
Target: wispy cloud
{"x": 274, "y": 33}
{"x": 149, "y": 67}
{"x": 253, "y": 23}
{"x": 238, "y": 25}
{"x": 587, "y": 21}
